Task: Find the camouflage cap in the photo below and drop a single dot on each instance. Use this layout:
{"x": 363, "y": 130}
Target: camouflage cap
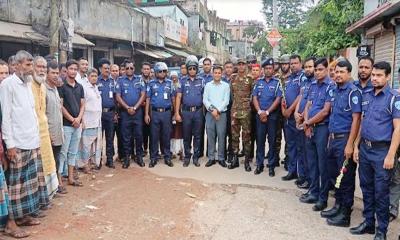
{"x": 285, "y": 58}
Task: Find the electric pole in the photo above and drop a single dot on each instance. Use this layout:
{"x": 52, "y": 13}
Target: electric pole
{"x": 275, "y": 23}
{"x": 54, "y": 28}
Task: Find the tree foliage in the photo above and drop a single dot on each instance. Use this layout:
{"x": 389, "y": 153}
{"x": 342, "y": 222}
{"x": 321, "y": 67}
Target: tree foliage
{"x": 291, "y": 13}
{"x": 323, "y": 31}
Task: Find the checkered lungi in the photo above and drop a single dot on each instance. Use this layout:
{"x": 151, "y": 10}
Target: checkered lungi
{"x": 26, "y": 184}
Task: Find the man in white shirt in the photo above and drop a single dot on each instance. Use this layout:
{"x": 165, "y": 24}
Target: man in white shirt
{"x": 81, "y": 76}
{"x": 21, "y": 135}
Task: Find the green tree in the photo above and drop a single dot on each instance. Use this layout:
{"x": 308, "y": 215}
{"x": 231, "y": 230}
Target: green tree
{"x": 291, "y": 12}
{"x": 323, "y": 31}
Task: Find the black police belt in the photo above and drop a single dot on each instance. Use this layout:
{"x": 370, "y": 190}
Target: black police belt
{"x": 371, "y": 144}
{"x": 191, "y": 108}
{"x": 161, "y": 109}
{"x": 104, "y": 110}
{"x": 334, "y": 136}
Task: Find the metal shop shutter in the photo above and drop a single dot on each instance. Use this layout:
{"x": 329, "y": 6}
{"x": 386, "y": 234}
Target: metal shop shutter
{"x": 384, "y": 44}
{"x": 396, "y": 83}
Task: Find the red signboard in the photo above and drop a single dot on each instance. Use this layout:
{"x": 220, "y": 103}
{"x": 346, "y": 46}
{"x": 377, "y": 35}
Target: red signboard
{"x": 274, "y": 37}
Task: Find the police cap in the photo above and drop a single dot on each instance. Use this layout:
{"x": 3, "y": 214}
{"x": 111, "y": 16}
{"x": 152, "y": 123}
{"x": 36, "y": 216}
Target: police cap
{"x": 268, "y": 61}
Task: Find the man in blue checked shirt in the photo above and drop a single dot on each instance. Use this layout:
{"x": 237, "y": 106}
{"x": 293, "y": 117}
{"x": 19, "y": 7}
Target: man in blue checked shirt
{"x": 266, "y": 99}
{"x": 159, "y": 106}
{"x": 216, "y": 99}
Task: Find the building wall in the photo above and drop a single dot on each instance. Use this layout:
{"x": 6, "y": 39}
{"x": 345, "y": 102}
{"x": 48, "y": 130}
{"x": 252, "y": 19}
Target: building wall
{"x": 124, "y": 24}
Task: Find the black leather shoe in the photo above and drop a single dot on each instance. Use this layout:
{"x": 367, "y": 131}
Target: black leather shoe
{"x": 247, "y": 166}
{"x": 186, "y": 162}
{"x": 222, "y": 163}
{"x": 110, "y": 165}
{"x": 308, "y": 199}
{"x": 289, "y": 177}
{"x": 304, "y": 185}
{"x": 125, "y": 165}
{"x": 140, "y": 162}
{"x": 363, "y": 228}
{"x": 210, "y": 163}
{"x": 342, "y": 218}
{"x": 271, "y": 172}
{"x": 169, "y": 163}
{"x": 319, "y": 206}
{"x": 235, "y": 162}
{"x": 230, "y": 158}
{"x": 152, "y": 163}
{"x": 380, "y": 236}
{"x": 331, "y": 212}
{"x": 259, "y": 169}
{"x": 196, "y": 162}
{"x": 299, "y": 181}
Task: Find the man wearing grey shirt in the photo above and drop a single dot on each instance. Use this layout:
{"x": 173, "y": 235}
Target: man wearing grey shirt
{"x": 216, "y": 99}
{"x": 54, "y": 117}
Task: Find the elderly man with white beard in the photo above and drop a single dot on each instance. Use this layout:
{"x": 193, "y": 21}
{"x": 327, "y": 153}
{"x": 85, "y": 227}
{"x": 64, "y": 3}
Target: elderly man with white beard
{"x": 26, "y": 183}
{"x": 46, "y": 151}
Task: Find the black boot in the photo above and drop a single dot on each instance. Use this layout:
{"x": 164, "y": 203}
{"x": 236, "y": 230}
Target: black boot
{"x": 196, "y": 162}
{"x": 126, "y": 163}
{"x": 331, "y": 212}
{"x": 186, "y": 162}
{"x": 235, "y": 162}
{"x": 230, "y": 157}
{"x": 140, "y": 162}
{"x": 342, "y": 219}
{"x": 247, "y": 166}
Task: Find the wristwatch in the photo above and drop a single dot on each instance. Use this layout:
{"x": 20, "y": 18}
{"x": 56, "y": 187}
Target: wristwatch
{"x": 134, "y": 108}
{"x": 260, "y": 111}
{"x": 267, "y": 112}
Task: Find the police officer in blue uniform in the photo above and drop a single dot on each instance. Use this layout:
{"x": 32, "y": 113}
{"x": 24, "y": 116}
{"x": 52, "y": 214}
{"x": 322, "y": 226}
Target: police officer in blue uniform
{"x": 159, "y": 106}
{"x": 316, "y": 118}
{"x": 289, "y": 103}
{"x": 130, "y": 96}
{"x": 344, "y": 124}
{"x": 303, "y": 181}
{"x": 106, "y": 86}
{"x": 189, "y": 101}
{"x": 379, "y": 140}
{"x": 266, "y": 99}
{"x": 364, "y": 74}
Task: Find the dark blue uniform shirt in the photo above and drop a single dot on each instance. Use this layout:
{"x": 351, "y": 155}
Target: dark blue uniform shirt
{"x": 292, "y": 88}
{"x": 304, "y": 91}
{"x": 207, "y": 77}
{"x": 378, "y": 114}
{"x": 266, "y": 92}
{"x": 192, "y": 91}
{"x": 130, "y": 89}
{"x": 319, "y": 94}
{"x": 107, "y": 91}
{"x": 160, "y": 93}
{"x": 367, "y": 88}
{"x": 346, "y": 100}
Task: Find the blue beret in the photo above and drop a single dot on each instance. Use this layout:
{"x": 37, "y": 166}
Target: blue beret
{"x": 268, "y": 61}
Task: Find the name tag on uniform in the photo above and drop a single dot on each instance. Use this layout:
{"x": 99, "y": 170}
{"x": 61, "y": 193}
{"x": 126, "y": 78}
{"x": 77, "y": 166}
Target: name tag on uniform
{"x": 156, "y": 94}
{"x": 165, "y": 96}
{"x": 110, "y": 94}
{"x": 126, "y": 91}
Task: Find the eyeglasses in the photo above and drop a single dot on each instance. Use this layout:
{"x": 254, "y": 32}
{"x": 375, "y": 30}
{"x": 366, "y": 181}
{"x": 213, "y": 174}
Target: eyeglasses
{"x": 192, "y": 68}
{"x": 163, "y": 71}
{"x": 129, "y": 68}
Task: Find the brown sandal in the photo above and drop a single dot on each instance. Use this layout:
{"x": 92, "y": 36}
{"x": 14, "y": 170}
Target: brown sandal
{"x": 62, "y": 190}
{"x": 76, "y": 184}
{"x": 28, "y": 222}
{"x": 19, "y": 233}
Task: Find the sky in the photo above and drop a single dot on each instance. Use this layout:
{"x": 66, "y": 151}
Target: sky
{"x": 238, "y": 9}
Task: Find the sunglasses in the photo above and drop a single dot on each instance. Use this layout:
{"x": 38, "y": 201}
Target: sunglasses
{"x": 129, "y": 68}
{"x": 192, "y": 68}
{"x": 163, "y": 71}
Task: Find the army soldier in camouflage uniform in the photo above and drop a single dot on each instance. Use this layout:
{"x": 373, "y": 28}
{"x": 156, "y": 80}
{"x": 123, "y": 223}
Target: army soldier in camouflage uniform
{"x": 241, "y": 89}
{"x": 282, "y": 75}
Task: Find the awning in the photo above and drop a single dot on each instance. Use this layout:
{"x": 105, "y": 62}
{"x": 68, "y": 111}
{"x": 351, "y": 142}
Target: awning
{"x": 375, "y": 16}
{"x": 79, "y": 40}
{"x": 21, "y": 32}
{"x": 178, "y": 52}
{"x": 150, "y": 53}
{"x": 162, "y": 53}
